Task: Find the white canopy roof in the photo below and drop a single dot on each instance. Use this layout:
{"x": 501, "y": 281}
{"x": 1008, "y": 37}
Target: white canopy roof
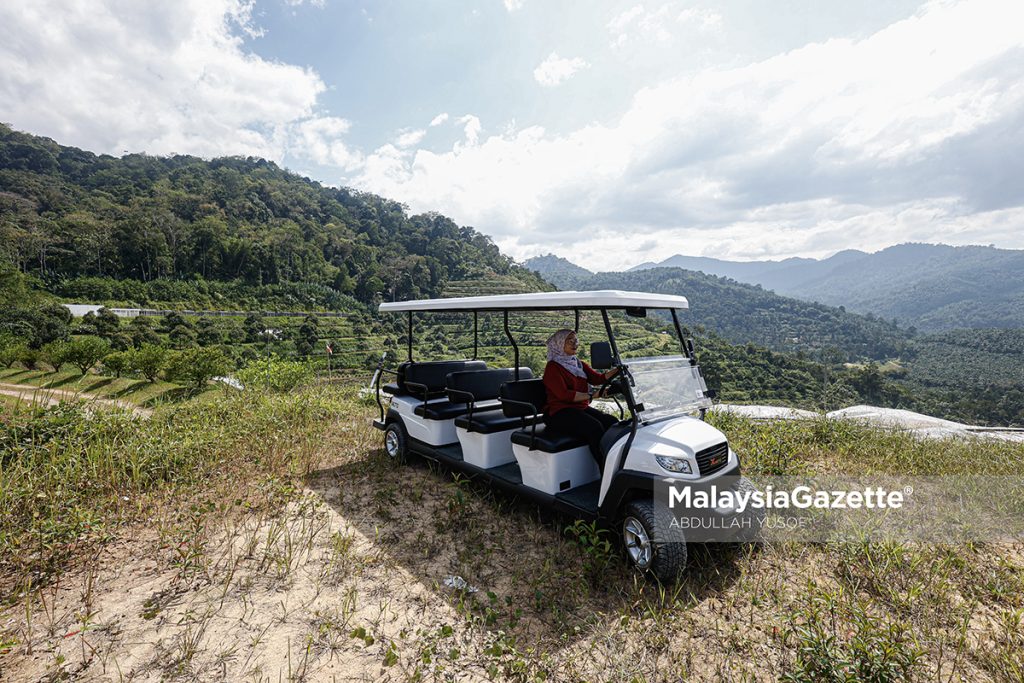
{"x": 542, "y": 301}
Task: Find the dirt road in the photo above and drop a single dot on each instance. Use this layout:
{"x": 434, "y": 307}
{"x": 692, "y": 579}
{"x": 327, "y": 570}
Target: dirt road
{"x": 55, "y": 396}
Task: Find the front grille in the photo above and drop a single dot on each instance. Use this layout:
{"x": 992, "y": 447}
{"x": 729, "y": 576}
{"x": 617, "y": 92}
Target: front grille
{"x": 712, "y": 459}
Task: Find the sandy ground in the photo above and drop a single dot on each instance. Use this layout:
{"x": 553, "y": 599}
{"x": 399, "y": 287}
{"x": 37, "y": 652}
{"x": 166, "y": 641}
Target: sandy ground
{"x": 54, "y": 396}
{"x": 348, "y": 584}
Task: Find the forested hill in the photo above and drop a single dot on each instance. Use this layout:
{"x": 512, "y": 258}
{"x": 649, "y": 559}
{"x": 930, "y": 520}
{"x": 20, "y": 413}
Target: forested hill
{"x": 743, "y": 313}
{"x": 560, "y": 272}
{"x": 143, "y": 229}
{"x": 930, "y": 286}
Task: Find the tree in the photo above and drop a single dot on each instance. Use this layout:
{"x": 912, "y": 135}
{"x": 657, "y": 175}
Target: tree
{"x": 118, "y": 362}
{"x": 107, "y": 323}
{"x": 195, "y": 367}
{"x": 141, "y": 331}
{"x": 149, "y": 360}
{"x": 182, "y": 337}
{"x": 172, "y": 320}
{"x": 307, "y": 336}
{"x": 85, "y": 352}
{"x": 208, "y": 333}
{"x": 56, "y": 354}
{"x": 254, "y": 326}
{"x": 37, "y": 326}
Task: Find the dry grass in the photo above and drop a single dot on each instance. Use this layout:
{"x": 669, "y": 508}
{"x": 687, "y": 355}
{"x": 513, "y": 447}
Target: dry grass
{"x": 300, "y": 553}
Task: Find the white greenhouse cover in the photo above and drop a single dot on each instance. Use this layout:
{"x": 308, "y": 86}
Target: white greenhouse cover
{"x": 542, "y": 301}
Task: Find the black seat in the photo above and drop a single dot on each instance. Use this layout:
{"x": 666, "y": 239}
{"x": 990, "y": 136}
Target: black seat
{"x": 471, "y": 387}
{"x": 489, "y": 422}
{"x": 425, "y": 380}
{"x": 546, "y": 439}
{"x": 446, "y": 410}
{"x": 526, "y": 399}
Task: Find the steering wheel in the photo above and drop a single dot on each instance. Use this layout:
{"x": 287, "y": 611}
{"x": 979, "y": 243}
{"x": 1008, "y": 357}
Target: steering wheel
{"x": 614, "y": 380}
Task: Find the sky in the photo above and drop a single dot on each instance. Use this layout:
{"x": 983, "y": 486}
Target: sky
{"x": 609, "y": 133}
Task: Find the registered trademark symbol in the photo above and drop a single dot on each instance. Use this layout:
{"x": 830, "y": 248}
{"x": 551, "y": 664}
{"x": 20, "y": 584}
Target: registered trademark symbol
{"x": 908, "y": 490}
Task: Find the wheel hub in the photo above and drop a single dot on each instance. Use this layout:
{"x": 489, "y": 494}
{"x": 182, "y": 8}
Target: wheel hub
{"x": 391, "y": 444}
{"x": 638, "y": 543}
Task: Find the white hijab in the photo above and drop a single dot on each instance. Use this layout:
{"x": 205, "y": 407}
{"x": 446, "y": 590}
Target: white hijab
{"x": 556, "y": 352}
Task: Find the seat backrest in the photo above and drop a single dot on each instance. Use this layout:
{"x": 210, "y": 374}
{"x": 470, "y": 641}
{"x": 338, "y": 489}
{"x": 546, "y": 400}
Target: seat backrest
{"x": 432, "y": 374}
{"x": 482, "y": 384}
{"x": 529, "y": 391}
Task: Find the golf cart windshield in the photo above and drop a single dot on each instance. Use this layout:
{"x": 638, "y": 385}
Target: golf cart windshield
{"x": 666, "y": 386}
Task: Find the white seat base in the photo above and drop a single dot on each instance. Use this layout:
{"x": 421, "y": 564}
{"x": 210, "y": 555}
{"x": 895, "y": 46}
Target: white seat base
{"x": 432, "y": 432}
{"x": 556, "y": 472}
{"x": 486, "y": 450}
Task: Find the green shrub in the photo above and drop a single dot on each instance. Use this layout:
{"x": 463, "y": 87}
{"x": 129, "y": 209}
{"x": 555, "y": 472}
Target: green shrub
{"x": 30, "y": 357}
{"x": 275, "y": 374}
{"x": 195, "y": 367}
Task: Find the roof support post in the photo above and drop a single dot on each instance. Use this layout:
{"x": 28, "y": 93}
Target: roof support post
{"x": 515, "y": 347}
{"x": 577, "y": 328}
{"x": 611, "y": 336}
{"x": 476, "y": 336}
{"x": 408, "y": 337}
{"x": 679, "y": 332}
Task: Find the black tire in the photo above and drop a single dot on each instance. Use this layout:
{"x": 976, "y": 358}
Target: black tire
{"x": 664, "y": 556}
{"x": 396, "y": 443}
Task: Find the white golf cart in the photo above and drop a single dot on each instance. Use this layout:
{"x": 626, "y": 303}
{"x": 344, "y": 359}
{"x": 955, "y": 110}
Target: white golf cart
{"x": 488, "y": 423}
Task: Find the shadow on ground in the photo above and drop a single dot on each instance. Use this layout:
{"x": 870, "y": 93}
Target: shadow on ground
{"x": 534, "y": 580}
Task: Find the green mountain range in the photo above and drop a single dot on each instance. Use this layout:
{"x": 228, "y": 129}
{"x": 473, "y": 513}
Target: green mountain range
{"x": 243, "y": 234}
{"x": 929, "y": 286}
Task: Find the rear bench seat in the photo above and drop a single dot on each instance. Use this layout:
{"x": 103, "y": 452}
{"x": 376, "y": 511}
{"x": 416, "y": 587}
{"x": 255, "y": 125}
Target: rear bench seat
{"x": 548, "y": 460}
{"x": 483, "y": 430}
{"x": 420, "y": 393}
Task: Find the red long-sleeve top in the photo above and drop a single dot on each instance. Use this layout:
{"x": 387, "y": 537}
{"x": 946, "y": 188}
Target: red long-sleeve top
{"x": 562, "y": 386}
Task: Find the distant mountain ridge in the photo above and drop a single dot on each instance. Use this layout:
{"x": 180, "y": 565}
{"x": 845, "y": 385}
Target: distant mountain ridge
{"x": 560, "y": 272}
{"x": 933, "y": 287}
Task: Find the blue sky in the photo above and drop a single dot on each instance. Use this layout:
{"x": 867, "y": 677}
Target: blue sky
{"x": 607, "y": 132}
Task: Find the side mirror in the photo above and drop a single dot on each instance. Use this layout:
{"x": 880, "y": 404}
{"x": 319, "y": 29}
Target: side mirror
{"x": 601, "y": 355}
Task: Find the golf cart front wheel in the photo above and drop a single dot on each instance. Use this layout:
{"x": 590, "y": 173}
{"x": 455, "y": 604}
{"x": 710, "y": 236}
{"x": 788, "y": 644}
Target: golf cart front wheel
{"x": 649, "y": 546}
{"x": 396, "y": 442}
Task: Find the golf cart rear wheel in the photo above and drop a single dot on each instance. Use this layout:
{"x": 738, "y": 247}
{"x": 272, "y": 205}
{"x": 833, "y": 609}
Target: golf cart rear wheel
{"x": 646, "y": 540}
{"x": 396, "y": 443}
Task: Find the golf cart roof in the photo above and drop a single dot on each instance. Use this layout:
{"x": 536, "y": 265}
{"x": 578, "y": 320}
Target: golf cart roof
{"x": 542, "y": 301}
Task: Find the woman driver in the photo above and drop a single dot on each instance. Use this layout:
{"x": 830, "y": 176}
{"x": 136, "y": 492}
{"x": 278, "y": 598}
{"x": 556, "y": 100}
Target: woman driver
{"x": 568, "y": 408}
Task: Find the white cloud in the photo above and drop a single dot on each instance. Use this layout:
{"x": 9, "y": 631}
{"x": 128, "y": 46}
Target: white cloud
{"x": 439, "y": 119}
{"x": 408, "y": 138}
{"x": 320, "y": 140}
{"x": 157, "y": 77}
{"x": 513, "y": 5}
{"x": 555, "y": 70}
{"x": 320, "y": 4}
{"x": 911, "y": 133}
{"x": 471, "y": 129}
{"x": 660, "y": 24}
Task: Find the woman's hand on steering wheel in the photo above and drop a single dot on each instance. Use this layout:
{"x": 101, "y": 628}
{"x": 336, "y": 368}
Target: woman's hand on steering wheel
{"x": 604, "y": 392}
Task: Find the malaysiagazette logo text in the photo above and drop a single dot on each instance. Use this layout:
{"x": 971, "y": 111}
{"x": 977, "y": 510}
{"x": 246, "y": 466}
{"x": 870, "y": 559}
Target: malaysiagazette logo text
{"x": 800, "y": 497}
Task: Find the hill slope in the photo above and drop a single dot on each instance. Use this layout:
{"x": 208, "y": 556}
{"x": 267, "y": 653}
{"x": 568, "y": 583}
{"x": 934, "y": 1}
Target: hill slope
{"x": 84, "y": 224}
{"x": 560, "y": 272}
{"x": 931, "y": 286}
{"x": 743, "y": 313}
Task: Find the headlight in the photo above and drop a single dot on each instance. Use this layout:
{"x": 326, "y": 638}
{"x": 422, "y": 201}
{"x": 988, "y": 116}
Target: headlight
{"x": 674, "y": 464}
